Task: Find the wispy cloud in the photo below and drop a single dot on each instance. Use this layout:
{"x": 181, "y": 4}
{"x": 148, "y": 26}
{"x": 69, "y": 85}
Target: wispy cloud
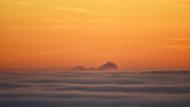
{"x": 72, "y": 9}
{"x": 68, "y": 26}
{"x": 175, "y": 46}
{"x": 26, "y": 3}
{"x": 180, "y": 39}
{"x": 21, "y": 2}
{"x": 186, "y": 2}
{"x": 60, "y": 20}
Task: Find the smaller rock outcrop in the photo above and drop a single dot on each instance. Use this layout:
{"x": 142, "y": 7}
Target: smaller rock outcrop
{"x": 79, "y": 68}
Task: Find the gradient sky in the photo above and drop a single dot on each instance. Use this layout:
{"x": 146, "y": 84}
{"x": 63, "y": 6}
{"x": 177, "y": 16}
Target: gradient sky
{"x": 58, "y": 34}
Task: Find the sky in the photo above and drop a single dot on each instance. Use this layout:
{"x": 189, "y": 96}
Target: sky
{"x": 59, "y": 34}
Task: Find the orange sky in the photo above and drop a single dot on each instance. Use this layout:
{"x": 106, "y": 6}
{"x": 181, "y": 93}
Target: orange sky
{"x": 58, "y": 34}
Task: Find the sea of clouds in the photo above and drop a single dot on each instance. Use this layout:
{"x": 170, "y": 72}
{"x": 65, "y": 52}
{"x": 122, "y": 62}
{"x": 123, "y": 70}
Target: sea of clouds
{"x": 94, "y": 89}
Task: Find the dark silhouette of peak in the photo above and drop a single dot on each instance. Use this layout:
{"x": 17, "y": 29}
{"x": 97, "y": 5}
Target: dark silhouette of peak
{"x": 109, "y": 66}
{"x": 79, "y": 68}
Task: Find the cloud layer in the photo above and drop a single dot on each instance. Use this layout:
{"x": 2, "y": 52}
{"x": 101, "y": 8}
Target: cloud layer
{"x": 95, "y": 89}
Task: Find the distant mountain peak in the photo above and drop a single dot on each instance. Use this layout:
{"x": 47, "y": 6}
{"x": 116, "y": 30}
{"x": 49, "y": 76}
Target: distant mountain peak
{"x": 109, "y": 66}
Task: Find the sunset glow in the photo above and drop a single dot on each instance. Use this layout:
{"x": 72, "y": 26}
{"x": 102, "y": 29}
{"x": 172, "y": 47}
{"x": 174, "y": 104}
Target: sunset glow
{"x": 59, "y": 34}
